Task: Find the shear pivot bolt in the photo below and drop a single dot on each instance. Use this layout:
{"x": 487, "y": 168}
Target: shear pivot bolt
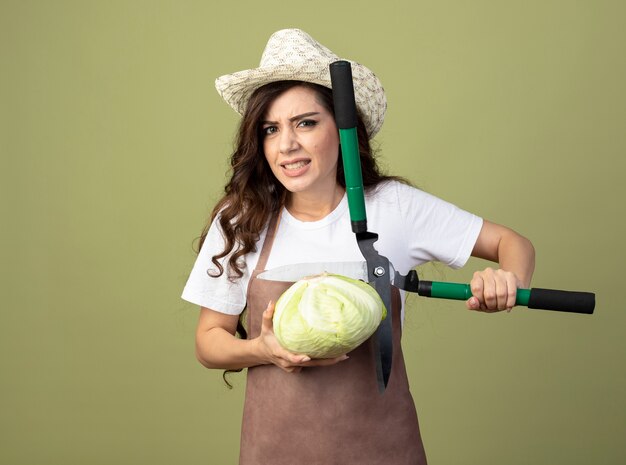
{"x": 379, "y": 271}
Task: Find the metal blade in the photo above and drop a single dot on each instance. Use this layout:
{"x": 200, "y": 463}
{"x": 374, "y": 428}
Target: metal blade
{"x": 294, "y": 272}
{"x": 380, "y": 274}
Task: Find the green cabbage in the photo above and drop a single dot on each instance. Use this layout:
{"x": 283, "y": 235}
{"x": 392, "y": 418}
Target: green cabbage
{"x": 327, "y": 315}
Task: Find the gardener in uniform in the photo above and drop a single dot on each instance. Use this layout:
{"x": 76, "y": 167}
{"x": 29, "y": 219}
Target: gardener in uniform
{"x": 285, "y": 203}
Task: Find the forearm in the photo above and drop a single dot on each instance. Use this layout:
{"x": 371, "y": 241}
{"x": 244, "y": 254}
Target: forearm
{"x": 217, "y": 348}
{"x": 517, "y": 254}
{"x": 512, "y": 251}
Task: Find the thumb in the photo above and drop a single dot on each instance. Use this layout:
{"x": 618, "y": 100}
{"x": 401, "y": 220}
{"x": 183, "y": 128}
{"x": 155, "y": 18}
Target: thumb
{"x": 268, "y": 313}
{"x": 472, "y": 303}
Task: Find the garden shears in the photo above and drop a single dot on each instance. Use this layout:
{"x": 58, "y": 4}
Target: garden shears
{"x": 376, "y": 268}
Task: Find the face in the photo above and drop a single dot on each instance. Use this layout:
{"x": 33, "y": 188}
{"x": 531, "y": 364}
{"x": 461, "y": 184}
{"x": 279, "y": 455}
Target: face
{"x": 301, "y": 142}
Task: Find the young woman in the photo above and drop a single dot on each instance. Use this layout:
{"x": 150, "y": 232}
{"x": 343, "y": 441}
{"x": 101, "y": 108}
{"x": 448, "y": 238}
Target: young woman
{"x": 285, "y": 203}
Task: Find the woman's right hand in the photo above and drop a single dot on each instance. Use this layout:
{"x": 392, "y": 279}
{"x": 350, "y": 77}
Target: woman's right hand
{"x": 273, "y": 353}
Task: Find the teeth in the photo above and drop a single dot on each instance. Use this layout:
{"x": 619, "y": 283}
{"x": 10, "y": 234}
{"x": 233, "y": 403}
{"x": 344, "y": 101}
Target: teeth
{"x": 296, "y": 165}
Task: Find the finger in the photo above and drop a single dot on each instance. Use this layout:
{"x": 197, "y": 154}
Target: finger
{"x": 268, "y": 313}
{"x": 289, "y": 358}
{"x": 473, "y": 303}
{"x": 506, "y": 289}
{"x": 318, "y": 362}
{"x": 476, "y": 285}
{"x": 502, "y": 291}
{"x": 289, "y": 361}
{"x": 300, "y": 359}
{"x": 512, "y": 291}
{"x": 490, "y": 297}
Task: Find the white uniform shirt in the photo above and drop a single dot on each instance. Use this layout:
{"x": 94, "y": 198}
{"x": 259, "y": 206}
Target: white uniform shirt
{"x": 413, "y": 228}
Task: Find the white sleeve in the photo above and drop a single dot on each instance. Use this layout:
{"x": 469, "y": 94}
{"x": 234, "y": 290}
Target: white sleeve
{"x": 216, "y": 293}
{"x": 437, "y": 230}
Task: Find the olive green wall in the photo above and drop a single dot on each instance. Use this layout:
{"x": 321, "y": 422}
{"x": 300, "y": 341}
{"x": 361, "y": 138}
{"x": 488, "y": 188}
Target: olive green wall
{"x": 114, "y": 147}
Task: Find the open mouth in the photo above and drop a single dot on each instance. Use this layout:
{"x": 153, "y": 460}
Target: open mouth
{"x": 296, "y": 165}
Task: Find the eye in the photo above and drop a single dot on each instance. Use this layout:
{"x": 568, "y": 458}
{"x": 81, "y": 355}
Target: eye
{"x": 307, "y": 123}
{"x": 269, "y": 130}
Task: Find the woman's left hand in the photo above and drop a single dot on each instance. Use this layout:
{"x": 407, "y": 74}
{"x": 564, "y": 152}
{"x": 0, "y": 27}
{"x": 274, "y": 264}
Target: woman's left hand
{"x": 493, "y": 290}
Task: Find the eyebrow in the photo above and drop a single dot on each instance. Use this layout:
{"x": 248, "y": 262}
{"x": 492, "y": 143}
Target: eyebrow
{"x": 294, "y": 118}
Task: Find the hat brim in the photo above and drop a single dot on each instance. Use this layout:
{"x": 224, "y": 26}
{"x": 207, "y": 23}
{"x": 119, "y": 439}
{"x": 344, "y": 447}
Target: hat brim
{"x": 236, "y": 88}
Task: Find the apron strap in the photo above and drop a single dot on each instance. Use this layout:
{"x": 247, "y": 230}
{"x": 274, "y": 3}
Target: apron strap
{"x": 268, "y": 242}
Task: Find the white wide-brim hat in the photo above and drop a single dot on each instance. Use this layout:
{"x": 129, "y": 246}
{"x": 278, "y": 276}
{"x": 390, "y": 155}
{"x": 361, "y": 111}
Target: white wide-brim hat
{"x": 293, "y": 55}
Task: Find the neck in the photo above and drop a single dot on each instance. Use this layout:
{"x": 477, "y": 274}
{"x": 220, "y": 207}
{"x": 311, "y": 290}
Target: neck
{"x": 308, "y": 206}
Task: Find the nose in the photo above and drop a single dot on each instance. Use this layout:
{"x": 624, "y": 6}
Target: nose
{"x": 288, "y": 141}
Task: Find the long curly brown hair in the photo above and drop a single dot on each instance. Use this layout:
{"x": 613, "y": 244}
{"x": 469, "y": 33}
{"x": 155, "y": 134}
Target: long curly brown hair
{"x": 253, "y": 194}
